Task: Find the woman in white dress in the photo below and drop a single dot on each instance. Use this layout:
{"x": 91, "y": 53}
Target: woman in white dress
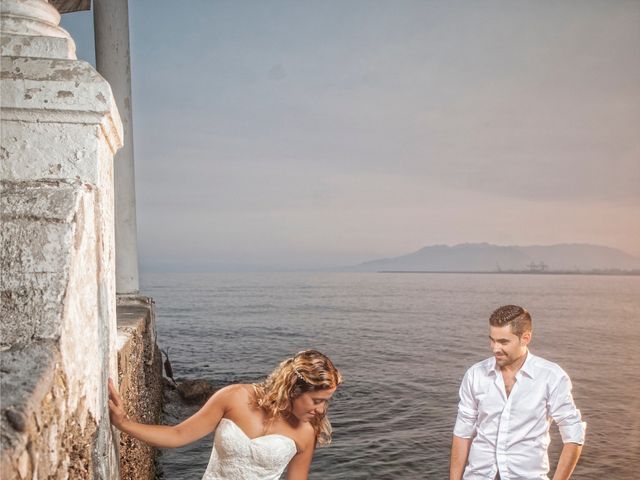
{"x": 261, "y": 429}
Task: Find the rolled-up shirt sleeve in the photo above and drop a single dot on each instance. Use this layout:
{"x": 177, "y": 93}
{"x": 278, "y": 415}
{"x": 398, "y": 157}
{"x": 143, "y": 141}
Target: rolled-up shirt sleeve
{"x": 564, "y": 412}
{"x": 467, "y": 409}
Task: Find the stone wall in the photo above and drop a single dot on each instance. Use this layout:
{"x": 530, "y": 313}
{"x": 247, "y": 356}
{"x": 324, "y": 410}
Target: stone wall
{"x": 53, "y": 327}
{"x": 140, "y": 379}
{"x": 60, "y": 129}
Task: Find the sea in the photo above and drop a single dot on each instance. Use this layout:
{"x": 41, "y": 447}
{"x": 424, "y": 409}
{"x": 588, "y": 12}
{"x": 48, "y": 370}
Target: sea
{"x": 403, "y": 342}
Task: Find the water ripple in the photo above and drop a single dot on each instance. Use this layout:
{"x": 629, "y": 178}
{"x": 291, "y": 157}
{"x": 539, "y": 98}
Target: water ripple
{"x": 403, "y": 343}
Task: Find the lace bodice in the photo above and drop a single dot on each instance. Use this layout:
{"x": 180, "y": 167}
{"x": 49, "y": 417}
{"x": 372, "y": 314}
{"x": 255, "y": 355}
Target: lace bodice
{"x": 236, "y": 456}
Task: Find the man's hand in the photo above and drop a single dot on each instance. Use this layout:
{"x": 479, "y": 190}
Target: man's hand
{"x": 568, "y": 460}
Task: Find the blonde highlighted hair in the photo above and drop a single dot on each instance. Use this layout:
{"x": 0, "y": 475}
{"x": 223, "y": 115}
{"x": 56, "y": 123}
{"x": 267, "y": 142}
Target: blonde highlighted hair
{"x": 308, "y": 371}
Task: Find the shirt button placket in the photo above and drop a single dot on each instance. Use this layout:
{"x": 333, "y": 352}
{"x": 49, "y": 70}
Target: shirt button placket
{"x": 501, "y": 444}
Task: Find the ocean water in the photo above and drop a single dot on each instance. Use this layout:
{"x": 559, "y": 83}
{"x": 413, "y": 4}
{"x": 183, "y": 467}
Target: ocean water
{"x": 403, "y": 342}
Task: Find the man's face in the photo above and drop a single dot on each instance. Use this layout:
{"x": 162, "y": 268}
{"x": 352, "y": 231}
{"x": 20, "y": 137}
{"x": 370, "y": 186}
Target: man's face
{"x": 507, "y": 347}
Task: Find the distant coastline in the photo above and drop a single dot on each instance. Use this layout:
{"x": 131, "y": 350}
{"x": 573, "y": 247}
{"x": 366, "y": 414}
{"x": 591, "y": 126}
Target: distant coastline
{"x": 527, "y": 272}
{"x": 559, "y": 259}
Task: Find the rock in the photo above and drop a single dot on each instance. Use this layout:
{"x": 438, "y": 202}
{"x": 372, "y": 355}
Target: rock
{"x": 195, "y": 391}
{"x": 16, "y": 419}
{"x": 168, "y": 384}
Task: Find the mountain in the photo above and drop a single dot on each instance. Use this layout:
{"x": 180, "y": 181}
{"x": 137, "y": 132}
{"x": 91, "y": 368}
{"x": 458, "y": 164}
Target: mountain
{"x": 484, "y": 257}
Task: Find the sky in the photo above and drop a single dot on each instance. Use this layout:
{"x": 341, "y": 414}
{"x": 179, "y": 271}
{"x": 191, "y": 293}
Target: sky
{"x": 311, "y": 134}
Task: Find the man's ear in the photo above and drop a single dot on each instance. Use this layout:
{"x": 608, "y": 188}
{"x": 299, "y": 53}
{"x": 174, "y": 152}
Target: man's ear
{"x": 526, "y": 337}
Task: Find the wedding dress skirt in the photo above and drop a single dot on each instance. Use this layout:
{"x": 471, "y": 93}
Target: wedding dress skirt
{"x": 236, "y": 456}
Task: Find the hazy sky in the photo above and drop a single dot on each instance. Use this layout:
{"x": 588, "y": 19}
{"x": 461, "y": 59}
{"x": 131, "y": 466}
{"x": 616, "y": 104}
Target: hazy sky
{"x": 308, "y": 134}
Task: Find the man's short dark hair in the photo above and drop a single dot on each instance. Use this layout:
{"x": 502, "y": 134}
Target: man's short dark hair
{"x": 513, "y": 315}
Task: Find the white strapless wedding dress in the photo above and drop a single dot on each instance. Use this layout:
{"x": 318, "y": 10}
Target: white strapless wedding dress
{"x": 238, "y": 457}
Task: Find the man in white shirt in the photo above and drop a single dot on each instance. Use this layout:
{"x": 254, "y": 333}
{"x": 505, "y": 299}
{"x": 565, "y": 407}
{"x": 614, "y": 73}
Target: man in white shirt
{"x": 506, "y": 406}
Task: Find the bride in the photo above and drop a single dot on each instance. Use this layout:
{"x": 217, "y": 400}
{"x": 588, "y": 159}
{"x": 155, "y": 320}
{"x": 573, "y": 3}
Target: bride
{"x": 261, "y": 429}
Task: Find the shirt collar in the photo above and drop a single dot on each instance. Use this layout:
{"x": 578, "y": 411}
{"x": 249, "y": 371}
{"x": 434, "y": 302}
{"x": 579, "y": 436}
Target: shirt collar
{"x": 526, "y": 368}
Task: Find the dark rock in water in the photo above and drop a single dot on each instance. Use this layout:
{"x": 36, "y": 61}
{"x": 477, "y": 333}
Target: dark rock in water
{"x": 168, "y": 384}
{"x": 195, "y": 391}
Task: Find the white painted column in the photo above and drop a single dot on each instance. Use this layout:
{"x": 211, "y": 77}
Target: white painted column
{"x": 111, "y": 25}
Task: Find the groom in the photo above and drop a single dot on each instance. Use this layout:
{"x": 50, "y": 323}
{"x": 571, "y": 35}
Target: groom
{"x": 506, "y": 406}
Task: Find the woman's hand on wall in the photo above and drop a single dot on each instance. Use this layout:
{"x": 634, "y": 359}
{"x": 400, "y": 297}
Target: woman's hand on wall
{"x": 116, "y": 407}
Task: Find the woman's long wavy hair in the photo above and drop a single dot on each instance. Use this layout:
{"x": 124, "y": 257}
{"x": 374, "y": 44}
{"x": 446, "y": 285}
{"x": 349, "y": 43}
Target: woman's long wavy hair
{"x": 308, "y": 371}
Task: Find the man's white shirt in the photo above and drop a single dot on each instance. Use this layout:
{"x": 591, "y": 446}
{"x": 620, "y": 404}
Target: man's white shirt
{"x": 511, "y": 434}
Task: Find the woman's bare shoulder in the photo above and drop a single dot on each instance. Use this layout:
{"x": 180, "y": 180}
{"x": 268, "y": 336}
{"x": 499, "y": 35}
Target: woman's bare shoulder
{"x": 306, "y": 436}
{"x": 232, "y": 394}
{"x": 236, "y": 391}
{"x": 236, "y": 388}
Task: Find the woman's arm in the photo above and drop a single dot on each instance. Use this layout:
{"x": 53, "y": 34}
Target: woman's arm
{"x": 201, "y": 423}
{"x": 298, "y": 468}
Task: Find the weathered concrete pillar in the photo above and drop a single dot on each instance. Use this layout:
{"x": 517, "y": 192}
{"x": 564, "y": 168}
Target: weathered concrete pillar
{"x": 59, "y": 131}
{"x": 111, "y": 26}
{"x": 139, "y": 360}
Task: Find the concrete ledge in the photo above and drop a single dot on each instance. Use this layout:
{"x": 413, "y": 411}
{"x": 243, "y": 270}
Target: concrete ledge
{"x": 42, "y": 47}
{"x": 27, "y": 376}
{"x": 140, "y": 380}
{"x": 40, "y": 437}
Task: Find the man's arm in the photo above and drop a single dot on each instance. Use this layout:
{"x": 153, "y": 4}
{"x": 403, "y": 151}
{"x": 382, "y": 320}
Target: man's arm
{"x": 459, "y": 454}
{"x": 572, "y": 428}
{"x": 568, "y": 460}
{"x": 465, "y": 428}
